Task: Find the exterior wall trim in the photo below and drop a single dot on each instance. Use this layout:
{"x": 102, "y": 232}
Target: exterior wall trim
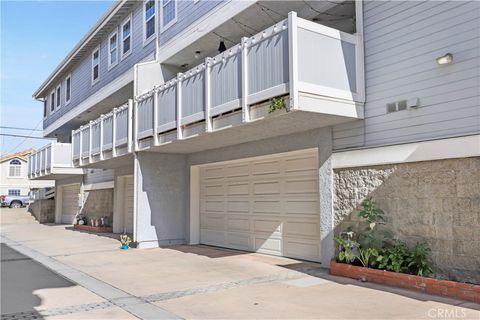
{"x": 99, "y": 186}
{"x": 459, "y": 147}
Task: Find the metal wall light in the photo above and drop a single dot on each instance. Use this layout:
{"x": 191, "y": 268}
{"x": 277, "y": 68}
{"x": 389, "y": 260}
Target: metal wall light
{"x": 445, "y": 59}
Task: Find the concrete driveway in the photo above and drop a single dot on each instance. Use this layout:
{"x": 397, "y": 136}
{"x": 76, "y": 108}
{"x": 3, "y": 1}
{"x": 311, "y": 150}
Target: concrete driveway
{"x": 200, "y": 282}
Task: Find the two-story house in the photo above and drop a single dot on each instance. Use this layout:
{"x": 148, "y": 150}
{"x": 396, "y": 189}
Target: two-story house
{"x": 262, "y": 125}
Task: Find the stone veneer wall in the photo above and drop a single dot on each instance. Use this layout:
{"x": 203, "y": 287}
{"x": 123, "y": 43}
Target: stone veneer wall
{"x": 433, "y": 201}
{"x": 43, "y": 210}
{"x": 98, "y": 203}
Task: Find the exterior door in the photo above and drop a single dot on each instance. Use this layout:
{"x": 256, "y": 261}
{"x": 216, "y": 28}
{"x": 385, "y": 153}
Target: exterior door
{"x": 70, "y": 202}
{"x": 268, "y": 205}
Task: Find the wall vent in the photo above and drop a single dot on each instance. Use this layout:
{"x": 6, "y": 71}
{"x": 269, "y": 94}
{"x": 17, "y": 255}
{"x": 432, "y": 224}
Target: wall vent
{"x": 402, "y": 105}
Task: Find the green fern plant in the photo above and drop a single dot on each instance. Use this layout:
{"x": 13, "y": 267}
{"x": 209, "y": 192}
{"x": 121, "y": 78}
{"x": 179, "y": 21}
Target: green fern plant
{"x": 277, "y": 103}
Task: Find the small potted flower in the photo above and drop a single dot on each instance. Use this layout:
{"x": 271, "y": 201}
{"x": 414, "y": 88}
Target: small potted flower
{"x": 125, "y": 240}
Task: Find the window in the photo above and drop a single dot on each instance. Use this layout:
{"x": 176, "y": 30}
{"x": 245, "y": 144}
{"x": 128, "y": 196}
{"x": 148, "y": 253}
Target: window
{"x": 126, "y": 31}
{"x": 113, "y": 49}
{"x": 45, "y": 106}
{"x": 68, "y": 89}
{"x": 15, "y": 169}
{"x": 149, "y": 11}
{"x": 95, "y": 65}
{"x": 59, "y": 100}
{"x": 52, "y": 101}
{"x": 13, "y": 192}
{"x": 169, "y": 13}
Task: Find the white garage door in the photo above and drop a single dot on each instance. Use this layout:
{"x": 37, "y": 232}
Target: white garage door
{"x": 268, "y": 205}
{"x": 70, "y": 202}
{"x": 128, "y": 204}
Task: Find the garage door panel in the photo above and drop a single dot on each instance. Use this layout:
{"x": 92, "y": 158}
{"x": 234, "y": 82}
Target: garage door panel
{"x": 272, "y": 227}
{"x": 268, "y": 245}
{"x": 241, "y": 241}
{"x": 301, "y": 248}
{"x": 129, "y": 189}
{"x": 266, "y": 187}
{"x": 238, "y": 224}
{"x": 304, "y": 229}
{"x": 238, "y": 206}
{"x": 268, "y": 205}
{"x": 238, "y": 189}
{"x": 305, "y": 207}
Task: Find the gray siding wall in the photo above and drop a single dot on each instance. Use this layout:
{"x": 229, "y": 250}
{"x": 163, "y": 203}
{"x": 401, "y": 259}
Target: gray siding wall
{"x": 188, "y": 12}
{"x": 82, "y": 73}
{"x": 98, "y": 175}
{"x": 402, "y": 41}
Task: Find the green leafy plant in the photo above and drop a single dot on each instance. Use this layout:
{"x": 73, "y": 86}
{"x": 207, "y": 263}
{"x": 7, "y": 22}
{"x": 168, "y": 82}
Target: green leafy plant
{"x": 277, "y": 103}
{"x": 371, "y": 213}
{"x": 347, "y": 246}
{"x": 373, "y": 217}
{"x": 367, "y": 256}
{"x": 394, "y": 258}
{"x": 418, "y": 262}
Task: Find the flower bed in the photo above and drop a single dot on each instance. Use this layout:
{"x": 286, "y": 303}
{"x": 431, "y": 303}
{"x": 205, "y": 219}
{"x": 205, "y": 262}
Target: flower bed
{"x": 445, "y": 288}
{"x": 93, "y": 229}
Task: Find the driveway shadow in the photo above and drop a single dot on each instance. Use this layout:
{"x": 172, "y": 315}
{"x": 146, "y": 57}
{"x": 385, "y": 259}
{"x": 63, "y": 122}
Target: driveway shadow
{"x": 20, "y": 277}
{"x": 207, "y": 251}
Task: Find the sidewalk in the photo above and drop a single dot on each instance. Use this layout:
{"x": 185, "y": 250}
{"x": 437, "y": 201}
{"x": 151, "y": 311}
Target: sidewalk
{"x": 199, "y": 282}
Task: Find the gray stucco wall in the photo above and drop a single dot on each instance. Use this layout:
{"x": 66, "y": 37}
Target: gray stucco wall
{"x": 433, "y": 201}
{"x": 161, "y": 186}
{"x": 98, "y": 203}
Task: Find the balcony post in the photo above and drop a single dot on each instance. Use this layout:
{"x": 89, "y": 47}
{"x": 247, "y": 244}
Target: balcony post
{"x": 101, "y": 136}
{"x": 208, "y": 98}
{"x": 179, "y": 106}
{"x": 293, "y": 59}
{"x": 244, "y": 100}
{"x": 80, "y": 146}
{"x": 130, "y": 125}
{"x": 52, "y": 155}
{"x": 155, "y": 117}
{"x": 73, "y": 147}
{"x": 135, "y": 118}
{"x": 90, "y": 136}
{"x": 114, "y": 132}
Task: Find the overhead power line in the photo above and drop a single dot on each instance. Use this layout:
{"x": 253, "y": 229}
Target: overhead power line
{"x": 24, "y": 136}
{"x": 17, "y": 128}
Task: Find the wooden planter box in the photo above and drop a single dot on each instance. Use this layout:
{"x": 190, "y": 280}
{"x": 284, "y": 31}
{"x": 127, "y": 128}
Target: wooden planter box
{"x": 93, "y": 229}
{"x": 445, "y": 288}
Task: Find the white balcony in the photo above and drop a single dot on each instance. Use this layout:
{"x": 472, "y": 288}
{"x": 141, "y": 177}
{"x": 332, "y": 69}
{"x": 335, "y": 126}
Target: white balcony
{"x": 107, "y": 137}
{"x": 52, "y": 161}
{"x": 317, "y": 70}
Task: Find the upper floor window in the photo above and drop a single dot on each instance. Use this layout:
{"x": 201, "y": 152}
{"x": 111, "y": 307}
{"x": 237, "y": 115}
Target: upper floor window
{"x": 95, "y": 65}
{"x": 52, "y": 101}
{"x": 113, "y": 49}
{"x": 45, "y": 106}
{"x": 59, "y": 100}
{"x": 68, "y": 89}
{"x": 149, "y": 11}
{"x": 169, "y": 13}
{"x": 126, "y": 30}
{"x": 15, "y": 168}
{"x": 13, "y": 192}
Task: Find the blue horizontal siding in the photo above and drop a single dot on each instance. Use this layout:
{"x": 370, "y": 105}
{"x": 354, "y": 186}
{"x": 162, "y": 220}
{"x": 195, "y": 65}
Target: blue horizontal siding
{"x": 82, "y": 73}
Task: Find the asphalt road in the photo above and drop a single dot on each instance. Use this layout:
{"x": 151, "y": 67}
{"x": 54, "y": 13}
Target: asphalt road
{"x": 21, "y": 276}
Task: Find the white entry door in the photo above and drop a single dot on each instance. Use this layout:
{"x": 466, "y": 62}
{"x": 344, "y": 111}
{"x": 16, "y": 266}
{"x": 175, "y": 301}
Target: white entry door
{"x": 268, "y": 205}
{"x": 128, "y": 204}
{"x": 70, "y": 202}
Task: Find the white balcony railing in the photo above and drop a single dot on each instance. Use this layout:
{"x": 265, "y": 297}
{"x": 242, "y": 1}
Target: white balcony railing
{"x": 104, "y": 138}
{"x": 294, "y": 57}
{"x": 51, "y": 159}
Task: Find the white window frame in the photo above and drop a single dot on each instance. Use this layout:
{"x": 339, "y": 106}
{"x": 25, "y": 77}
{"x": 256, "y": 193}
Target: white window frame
{"x": 58, "y": 102}
{"x": 52, "y": 100}
{"x": 153, "y": 35}
{"x": 110, "y": 64}
{"x": 171, "y": 23}
{"x": 66, "y": 88}
{"x": 45, "y": 107}
{"x": 10, "y": 166}
{"x": 94, "y": 81}
{"x": 124, "y": 55}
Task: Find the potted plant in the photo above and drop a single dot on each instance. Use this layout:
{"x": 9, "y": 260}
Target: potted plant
{"x": 125, "y": 241}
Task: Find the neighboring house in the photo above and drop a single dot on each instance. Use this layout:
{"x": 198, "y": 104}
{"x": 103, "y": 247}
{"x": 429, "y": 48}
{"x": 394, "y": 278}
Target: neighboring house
{"x": 163, "y": 114}
{"x": 14, "y": 179}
